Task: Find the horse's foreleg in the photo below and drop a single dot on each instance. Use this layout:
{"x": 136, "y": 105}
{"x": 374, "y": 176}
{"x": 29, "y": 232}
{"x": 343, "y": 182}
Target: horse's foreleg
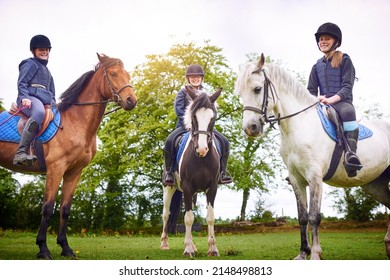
{"x": 213, "y": 250}
{"x": 189, "y": 246}
{"x": 315, "y": 218}
{"x": 167, "y": 199}
{"x": 300, "y": 194}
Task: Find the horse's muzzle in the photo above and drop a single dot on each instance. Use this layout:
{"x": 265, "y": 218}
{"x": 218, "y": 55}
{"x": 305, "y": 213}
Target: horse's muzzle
{"x": 254, "y": 130}
{"x": 202, "y": 152}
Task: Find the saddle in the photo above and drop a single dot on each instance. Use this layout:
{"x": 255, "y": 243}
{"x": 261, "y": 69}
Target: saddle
{"x": 49, "y": 116}
{"x": 336, "y": 132}
{"x": 13, "y": 127}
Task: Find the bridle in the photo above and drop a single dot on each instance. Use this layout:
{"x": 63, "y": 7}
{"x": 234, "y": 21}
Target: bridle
{"x": 115, "y": 95}
{"x": 195, "y": 132}
{"x": 264, "y": 117}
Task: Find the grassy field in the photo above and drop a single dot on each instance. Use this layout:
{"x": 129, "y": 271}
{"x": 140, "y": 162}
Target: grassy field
{"x": 281, "y": 244}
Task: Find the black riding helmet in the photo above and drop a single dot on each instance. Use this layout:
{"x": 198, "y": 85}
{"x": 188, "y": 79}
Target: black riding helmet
{"x": 40, "y": 41}
{"x": 332, "y": 30}
{"x": 194, "y": 70}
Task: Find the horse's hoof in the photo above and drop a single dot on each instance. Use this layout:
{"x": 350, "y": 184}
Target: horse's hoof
{"x": 68, "y": 253}
{"x": 189, "y": 254}
{"x": 44, "y": 256}
{"x": 213, "y": 254}
{"x": 164, "y": 248}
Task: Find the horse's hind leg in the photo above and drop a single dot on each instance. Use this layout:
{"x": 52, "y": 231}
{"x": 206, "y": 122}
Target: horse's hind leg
{"x": 379, "y": 190}
{"x": 213, "y": 250}
{"x": 387, "y": 242}
{"x": 168, "y": 192}
{"x": 69, "y": 185}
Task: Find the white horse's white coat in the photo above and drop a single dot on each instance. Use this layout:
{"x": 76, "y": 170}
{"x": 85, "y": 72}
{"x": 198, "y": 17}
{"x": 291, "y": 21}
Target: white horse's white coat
{"x": 306, "y": 149}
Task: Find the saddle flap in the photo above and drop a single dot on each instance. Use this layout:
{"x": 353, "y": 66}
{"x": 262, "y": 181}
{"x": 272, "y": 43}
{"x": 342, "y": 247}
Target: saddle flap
{"x": 49, "y": 116}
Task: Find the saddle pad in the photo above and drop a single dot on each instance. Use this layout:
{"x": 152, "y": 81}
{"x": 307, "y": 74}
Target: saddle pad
{"x": 9, "y": 130}
{"x": 183, "y": 142}
{"x": 330, "y": 127}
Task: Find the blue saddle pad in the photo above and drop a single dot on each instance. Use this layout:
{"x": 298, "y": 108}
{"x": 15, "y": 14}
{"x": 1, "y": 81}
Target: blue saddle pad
{"x": 330, "y": 127}
{"x": 9, "y": 130}
{"x": 183, "y": 144}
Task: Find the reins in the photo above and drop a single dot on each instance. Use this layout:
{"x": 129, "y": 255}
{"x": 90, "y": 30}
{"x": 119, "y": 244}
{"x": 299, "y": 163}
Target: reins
{"x": 264, "y": 107}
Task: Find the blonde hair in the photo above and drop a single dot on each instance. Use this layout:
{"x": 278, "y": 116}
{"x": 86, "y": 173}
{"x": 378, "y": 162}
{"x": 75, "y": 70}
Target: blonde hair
{"x": 337, "y": 58}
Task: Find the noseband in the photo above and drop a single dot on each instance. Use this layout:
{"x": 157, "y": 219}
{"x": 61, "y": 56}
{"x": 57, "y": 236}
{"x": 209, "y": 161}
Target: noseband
{"x": 264, "y": 117}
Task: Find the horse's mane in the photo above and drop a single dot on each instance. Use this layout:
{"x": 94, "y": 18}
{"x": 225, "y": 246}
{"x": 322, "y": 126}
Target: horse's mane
{"x": 201, "y": 101}
{"x": 281, "y": 78}
{"x": 69, "y": 96}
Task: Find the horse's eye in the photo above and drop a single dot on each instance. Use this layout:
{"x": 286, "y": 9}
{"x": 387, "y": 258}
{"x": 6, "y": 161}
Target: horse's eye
{"x": 257, "y": 90}
{"x": 113, "y": 74}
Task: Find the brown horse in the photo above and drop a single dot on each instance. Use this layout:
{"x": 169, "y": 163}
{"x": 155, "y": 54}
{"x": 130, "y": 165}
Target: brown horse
{"x": 82, "y": 108}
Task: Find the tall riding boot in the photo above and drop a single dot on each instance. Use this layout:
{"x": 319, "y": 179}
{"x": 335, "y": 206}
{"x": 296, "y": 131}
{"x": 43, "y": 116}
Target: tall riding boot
{"x": 168, "y": 176}
{"x": 224, "y": 178}
{"x": 352, "y": 162}
{"x": 22, "y": 157}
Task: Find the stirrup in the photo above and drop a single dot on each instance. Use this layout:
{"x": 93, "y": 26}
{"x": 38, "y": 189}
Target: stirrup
{"x": 352, "y": 162}
{"x": 224, "y": 179}
{"x": 24, "y": 160}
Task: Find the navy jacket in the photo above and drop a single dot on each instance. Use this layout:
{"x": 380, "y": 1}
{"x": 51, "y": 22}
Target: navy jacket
{"x": 331, "y": 81}
{"x": 182, "y": 100}
{"x": 35, "y": 80}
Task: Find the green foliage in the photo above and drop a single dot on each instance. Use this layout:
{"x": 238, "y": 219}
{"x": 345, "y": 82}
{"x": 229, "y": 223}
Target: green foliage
{"x": 356, "y": 204}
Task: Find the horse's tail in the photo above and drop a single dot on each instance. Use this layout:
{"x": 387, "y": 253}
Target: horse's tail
{"x": 175, "y": 210}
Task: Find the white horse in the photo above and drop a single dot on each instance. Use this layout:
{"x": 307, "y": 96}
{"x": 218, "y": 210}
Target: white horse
{"x": 305, "y": 147}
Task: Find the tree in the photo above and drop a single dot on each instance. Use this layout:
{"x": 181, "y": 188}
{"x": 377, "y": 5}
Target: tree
{"x": 356, "y": 204}
{"x": 8, "y": 194}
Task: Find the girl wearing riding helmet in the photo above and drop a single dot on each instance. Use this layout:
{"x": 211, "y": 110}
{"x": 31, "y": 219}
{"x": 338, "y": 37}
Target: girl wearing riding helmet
{"x": 194, "y": 76}
{"x": 334, "y": 75}
{"x": 35, "y": 89}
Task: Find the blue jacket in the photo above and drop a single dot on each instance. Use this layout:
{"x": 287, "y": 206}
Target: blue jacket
{"x": 182, "y": 100}
{"x": 35, "y": 80}
{"x": 331, "y": 81}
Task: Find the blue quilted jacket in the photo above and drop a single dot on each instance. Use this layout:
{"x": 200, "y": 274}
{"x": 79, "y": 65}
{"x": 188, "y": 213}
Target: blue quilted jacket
{"x": 35, "y": 80}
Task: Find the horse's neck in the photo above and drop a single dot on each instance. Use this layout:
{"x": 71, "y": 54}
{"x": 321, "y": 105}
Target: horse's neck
{"x": 291, "y": 97}
{"x": 88, "y": 117}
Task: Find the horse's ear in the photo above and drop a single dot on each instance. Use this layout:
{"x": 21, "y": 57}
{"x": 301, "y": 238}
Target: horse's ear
{"x": 215, "y": 95}
{"x": 261, "y": 62}
{"x": 101, "y": 57}
{"x": 191, "y": 92}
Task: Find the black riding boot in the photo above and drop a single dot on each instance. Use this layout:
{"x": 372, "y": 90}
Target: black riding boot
{"x": 22, "y": 157}
{"x": 352, "y": 162}
{"x": 224, "y": 178}
{"x": 168, "y": 176}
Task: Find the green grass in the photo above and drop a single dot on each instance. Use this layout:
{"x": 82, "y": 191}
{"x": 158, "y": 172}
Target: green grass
{"x": 336, "y": 245}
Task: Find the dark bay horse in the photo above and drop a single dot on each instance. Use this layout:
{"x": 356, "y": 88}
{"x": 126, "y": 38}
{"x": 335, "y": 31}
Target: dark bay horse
{"x": 198, "y": 170}
{"x": 72, "y": 148}
{"x": 306, "y": 148}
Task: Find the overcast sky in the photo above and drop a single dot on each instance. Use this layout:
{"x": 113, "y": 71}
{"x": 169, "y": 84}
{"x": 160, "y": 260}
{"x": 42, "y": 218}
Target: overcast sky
{"x": 131, "y": 29}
